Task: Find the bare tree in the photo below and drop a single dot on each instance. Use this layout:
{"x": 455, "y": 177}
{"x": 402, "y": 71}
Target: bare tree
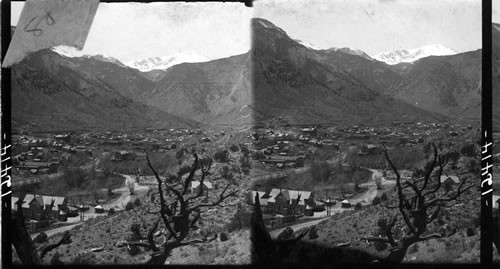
{"x": 419, "y": 207}
{"x": 180, "y": 216}
{"x": 26, "y": 250}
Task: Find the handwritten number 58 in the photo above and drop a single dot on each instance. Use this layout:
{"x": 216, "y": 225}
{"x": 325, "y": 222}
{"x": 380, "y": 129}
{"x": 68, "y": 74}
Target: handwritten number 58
{"x": 32, "y": 26}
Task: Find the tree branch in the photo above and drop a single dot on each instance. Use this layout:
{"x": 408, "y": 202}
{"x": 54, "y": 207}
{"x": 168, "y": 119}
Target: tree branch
{"x": 222, "y": 197}
{"x": 429, "y": 171}
{"x": 163, "y": 207}
{"x": 191, "y": 174}
{"x": 450, "y": 198}
{"x": 66, "y": 239}
{"x": 401, "y": 196}
{"x": 151, "y": 232}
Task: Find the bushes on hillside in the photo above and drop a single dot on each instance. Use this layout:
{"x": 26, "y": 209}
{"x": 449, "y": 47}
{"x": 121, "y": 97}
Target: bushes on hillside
{"x": 137, "y": 202}
{"x": 286, "y": 234}
{"x": 376, "y": 201}
{"x": 111, "y": 211}
{"x": 468, "y": 150}
{"x": 313, "y": 233}
{"x": 222, "y": 156}
{"x": 240, "y": 220}
{"x": 358, "y": 206}
{"x": 129, "y": 206}
{"x": 234, "y": 148}
{"x": 245, "y": 165}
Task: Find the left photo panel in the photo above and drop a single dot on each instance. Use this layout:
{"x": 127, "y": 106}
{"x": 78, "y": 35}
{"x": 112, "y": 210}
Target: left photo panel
{"x": 136, "y": 148}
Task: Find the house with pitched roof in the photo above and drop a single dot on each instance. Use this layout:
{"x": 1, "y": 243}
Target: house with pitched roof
{"x": 34, "y": 205}
{"x": 449, "y": 179}
{"x": 289, "y": 202}
{"x": 60, "y": 204}
{"x": 195, "y": 186}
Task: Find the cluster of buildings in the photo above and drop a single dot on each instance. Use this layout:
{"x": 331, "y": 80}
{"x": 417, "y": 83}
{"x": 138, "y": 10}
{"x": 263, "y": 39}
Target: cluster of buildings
{"x": 285, "y": 202}
{"x": 37, "y": 207}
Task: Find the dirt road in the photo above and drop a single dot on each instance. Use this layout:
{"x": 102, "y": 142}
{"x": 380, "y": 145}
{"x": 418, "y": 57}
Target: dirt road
{"x": 296, "y": 227}
{"x": 56, "y": 230}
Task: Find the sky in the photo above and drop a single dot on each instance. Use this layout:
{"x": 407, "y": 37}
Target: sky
{"x": 134, "y": 31}
{"x": 376, "y": 26}
{"x": 495, "y": 11}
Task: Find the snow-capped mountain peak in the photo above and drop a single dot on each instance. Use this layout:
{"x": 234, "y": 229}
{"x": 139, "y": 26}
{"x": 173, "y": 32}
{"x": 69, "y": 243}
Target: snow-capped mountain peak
{"x": 66, "y": 51}
{"x": 412, "y": 55}
{"x": 165, "y": 62}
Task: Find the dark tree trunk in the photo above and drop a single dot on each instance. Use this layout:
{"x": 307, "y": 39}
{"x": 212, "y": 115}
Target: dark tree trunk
{"x": 22, "y": 241}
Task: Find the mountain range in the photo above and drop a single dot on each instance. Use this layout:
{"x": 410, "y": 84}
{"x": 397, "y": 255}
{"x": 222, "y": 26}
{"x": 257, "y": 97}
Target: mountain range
{"x": 61, "y": 93}
{"x": 278, "y": 78}
{"x": 305, "y": 84}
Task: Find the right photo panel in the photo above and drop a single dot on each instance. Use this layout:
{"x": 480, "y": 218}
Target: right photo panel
{"x": 367, "y": 131}
{"x": 495, "y": 34}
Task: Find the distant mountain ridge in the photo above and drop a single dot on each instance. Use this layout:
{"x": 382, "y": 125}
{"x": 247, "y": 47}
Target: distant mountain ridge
{"x": 163, "y": 63}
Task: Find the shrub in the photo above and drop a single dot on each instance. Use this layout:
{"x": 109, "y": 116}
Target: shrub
{"x": 129, "y": 206}
{"x": 286, "y": 234}
{"x": 470, "y": 232}
{"x": 136, "y": 232}
{"x": 413, "y": 249}
{"x": 234, "y": 148}
{"x": 313, "y": 233}
{"x": 383, "y": 197}
{"x": 376, "y": 201}
{"x": 240, "y": 220}
{"x": 184, "y": 170}
{"x": 245, "y": 165}
{"x": 56, "y": 259}
{"x": 380, "y": 245}
{"x": 40, "y": 238}
{"x": 222, "y": 156}
{"x": 223, "y": 237}
{"x": 111, "y": 211}
{"x": 468, "y": 150}
{"x": 358, "y": 206}
{"x": 134, "y": 250}
{"x": 137, "y": 202}
{"x": 87, "y": 258}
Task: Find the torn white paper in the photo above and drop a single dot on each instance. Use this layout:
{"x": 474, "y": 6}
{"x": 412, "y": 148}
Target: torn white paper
{"x": 47, "y": 23}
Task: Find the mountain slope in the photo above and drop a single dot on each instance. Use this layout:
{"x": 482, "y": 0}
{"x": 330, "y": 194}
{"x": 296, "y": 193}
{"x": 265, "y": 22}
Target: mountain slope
{"x": 60, "y": 93}
{"x": 211, "y": 92}
{"x": 304, "y": 86}
{"x": 373, "y": 74}
{"x": 450, "y": 85}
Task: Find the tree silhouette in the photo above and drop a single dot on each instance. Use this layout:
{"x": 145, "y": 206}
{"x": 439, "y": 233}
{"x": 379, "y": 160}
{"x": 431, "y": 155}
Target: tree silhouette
{"x": 420, "y": 206}
{"x": 182, "y": 215}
